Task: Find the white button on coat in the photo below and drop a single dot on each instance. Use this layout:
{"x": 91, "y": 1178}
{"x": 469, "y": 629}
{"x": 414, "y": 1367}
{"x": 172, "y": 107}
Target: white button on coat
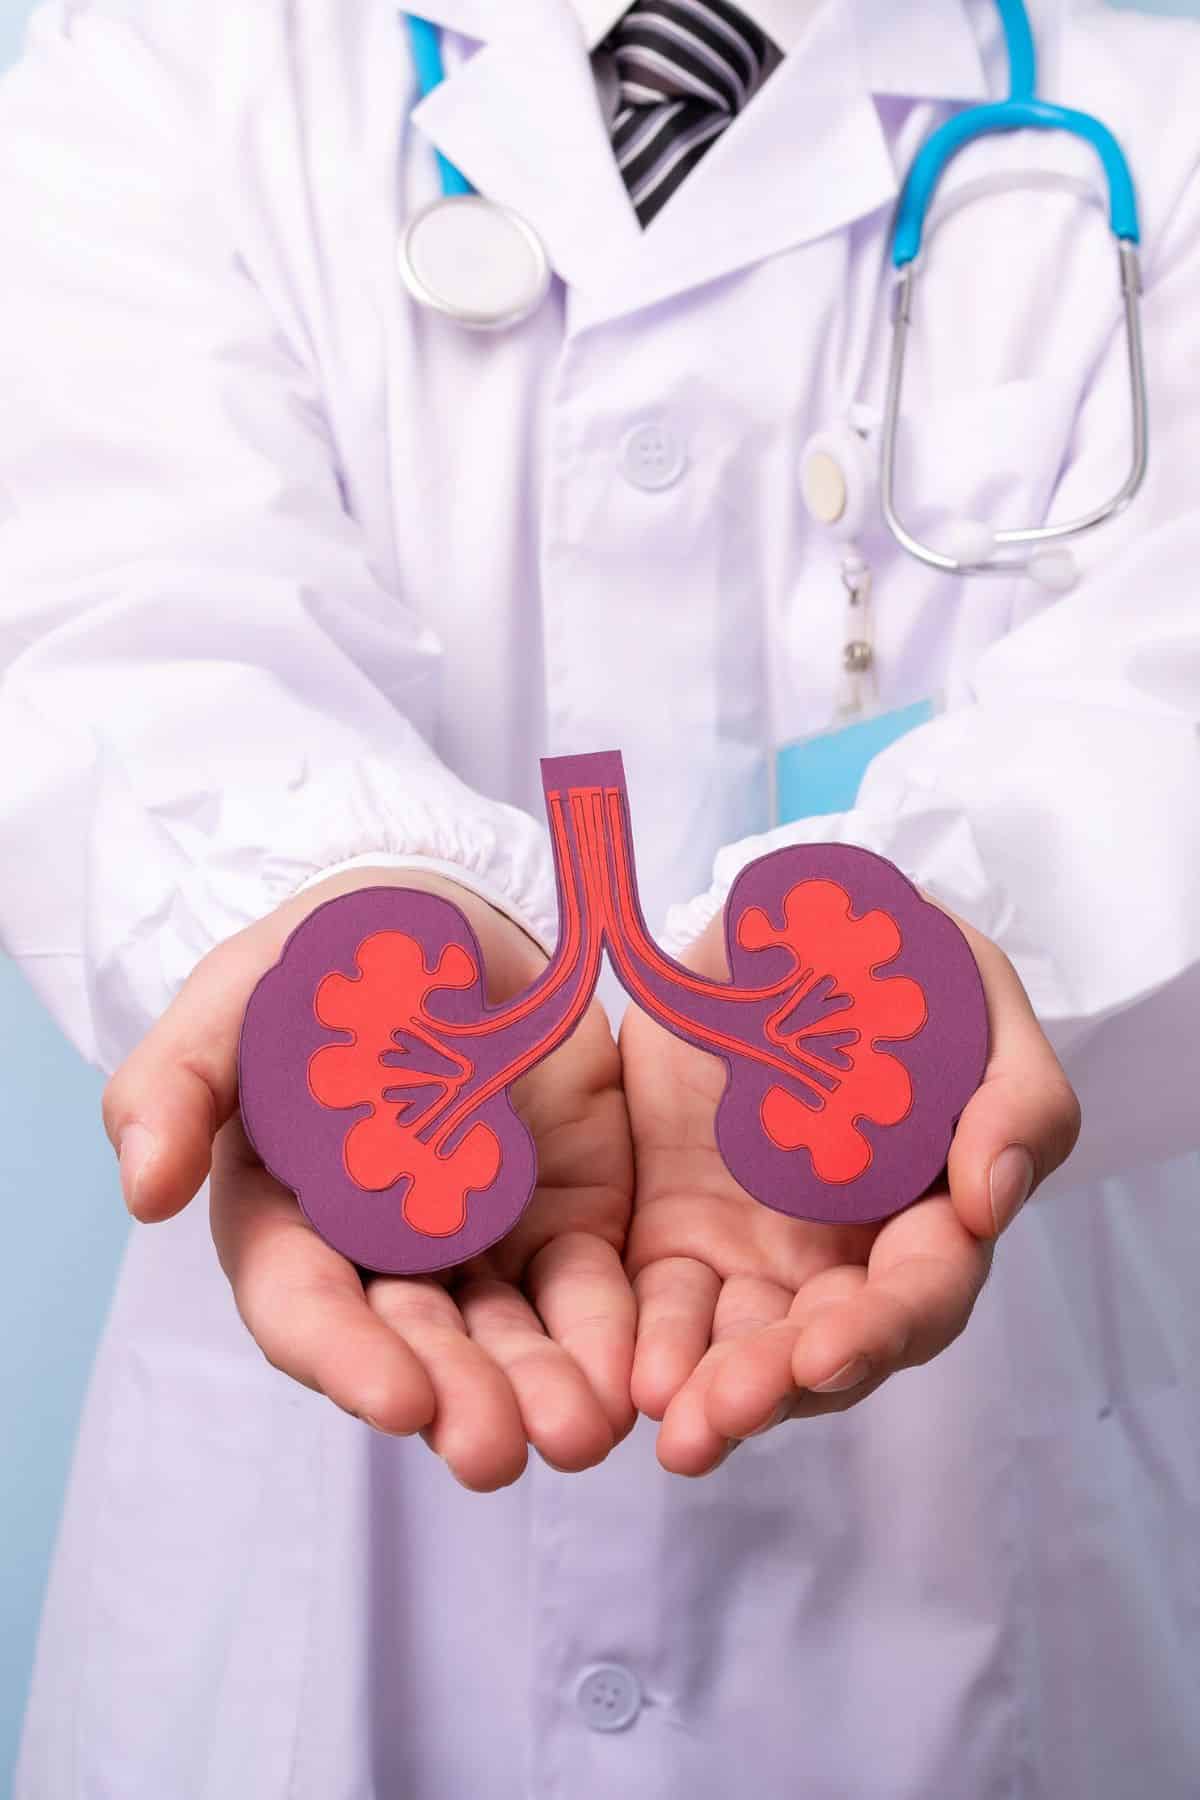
{"x": 652, "y": 456}
{"x": 291, "y": 572}
{"x": 609, "y": 1697}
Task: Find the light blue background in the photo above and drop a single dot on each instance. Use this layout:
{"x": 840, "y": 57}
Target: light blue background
{"x": 64, "y": 1230}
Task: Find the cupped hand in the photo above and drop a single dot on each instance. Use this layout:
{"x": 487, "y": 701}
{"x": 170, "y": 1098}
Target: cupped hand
{"x": 747, "y": 1317}
{"x": 528, "y": 1344}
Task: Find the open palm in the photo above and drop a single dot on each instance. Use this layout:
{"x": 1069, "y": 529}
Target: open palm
{"x": 746, "y": 1316}
{"x": 530, "y": 1343}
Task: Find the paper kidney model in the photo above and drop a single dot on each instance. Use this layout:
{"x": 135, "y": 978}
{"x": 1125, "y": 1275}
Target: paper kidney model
{"x": 374, "y": 1075}
{"x": 876, "y": 1043}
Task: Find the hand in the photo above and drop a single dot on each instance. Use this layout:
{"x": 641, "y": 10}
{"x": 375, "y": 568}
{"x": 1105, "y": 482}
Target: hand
{"x": 530, "y": 1343}
{"x": 747, "y": 1317}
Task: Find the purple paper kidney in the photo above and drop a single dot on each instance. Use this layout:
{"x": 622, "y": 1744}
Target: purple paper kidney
{"x": 375, "y": 1078}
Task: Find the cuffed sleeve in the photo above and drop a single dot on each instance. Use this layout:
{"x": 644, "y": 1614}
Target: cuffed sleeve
{"x": 207, "y": 692}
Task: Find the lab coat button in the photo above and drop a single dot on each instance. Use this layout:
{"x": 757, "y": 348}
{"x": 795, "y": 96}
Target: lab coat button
{"x": 609, "y": 1697}
{"x": 652, "y": 456}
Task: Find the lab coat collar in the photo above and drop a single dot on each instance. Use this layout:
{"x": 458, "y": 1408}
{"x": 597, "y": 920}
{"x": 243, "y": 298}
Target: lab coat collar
{"x": 929, "y": 52}
{"x": 521, "y": 118}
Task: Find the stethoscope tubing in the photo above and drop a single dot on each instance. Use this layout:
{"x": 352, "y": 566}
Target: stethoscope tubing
{"x": 425, "y": 39}
{"x": 464, "y": 215}
{"x": 1026, "y": 537}
{"x": 1021, "y": 111}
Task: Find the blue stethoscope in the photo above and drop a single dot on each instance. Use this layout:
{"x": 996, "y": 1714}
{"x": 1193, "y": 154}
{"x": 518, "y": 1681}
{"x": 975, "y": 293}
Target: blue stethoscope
{"x": 473, "y": 260}
{"x": 483, "y": 265}
{"x": 1034, "y": 550}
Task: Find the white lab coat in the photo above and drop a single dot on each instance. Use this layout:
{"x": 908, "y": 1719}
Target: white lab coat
{"x": 279, "y": 553}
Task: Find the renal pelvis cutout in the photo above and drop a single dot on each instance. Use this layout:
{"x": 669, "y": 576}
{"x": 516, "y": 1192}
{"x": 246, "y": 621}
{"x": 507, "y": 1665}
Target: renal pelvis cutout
{"x": 375, "y": 1077}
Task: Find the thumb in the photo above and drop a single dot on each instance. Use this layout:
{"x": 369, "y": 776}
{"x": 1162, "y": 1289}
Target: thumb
{"x": 1023, "y": 1120}
{"x": 172, "y": 1094}
{"x": 170, "y": 1097}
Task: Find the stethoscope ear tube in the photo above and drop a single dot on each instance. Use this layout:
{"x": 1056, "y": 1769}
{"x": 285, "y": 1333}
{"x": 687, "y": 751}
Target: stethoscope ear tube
{"x": 1038, "y": 551}
{"x": 940, "y": 149}
{"x": 1036, "y": 547}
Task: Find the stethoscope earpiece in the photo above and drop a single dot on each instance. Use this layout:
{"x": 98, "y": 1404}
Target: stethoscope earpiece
{"x": 1055, "y": 569}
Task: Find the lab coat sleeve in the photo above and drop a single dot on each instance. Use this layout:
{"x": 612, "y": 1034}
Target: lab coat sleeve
{"x": 207, "y": 694}
{"x": 1058, "y": 810}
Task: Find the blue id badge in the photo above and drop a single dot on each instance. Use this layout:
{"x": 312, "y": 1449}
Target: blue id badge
{"x": 822, "y": 774}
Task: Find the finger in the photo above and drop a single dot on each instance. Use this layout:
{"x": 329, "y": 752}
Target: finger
{"x": 676, "y": 1304}
{"x": 164, "y": 1105}
{"x": 747, "y": 1304}
{"x": 303, "y": 1303}
{"x": 688, "y": 1442}
{"x": 560, "y": 1415}
{"x": 850, "y": 1328}
{"x": 477, "y": 1428}
{"x": 173, "y": 1093}
{"x": 929, "y": 1261}
{"x": 754, "y": 1388}
{"x": 583, "y": 1297}
{"x": 923, "y": 1278}
{"x": 1024, "y": 1119}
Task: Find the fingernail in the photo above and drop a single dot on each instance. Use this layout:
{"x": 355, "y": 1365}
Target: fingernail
{"x": 385, "y": 1430}
{"x": 1009, "y": 1185}
{"x": 137, "y": 1149}
{"x": 848, "y": 1376}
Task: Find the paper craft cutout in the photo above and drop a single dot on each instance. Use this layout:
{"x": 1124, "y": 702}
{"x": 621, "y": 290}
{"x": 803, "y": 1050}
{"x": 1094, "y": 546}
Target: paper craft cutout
{"x": 374, "y": 1077}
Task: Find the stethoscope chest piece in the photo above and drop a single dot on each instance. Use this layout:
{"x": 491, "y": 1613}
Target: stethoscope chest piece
{"x": 474, "y": 261}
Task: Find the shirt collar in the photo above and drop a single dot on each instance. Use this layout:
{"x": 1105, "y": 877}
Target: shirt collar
{"x": 784, "y": 21}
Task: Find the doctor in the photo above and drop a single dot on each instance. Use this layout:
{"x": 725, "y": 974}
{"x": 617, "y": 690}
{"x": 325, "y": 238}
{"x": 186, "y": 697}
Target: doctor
{"x": 299, "y": 577}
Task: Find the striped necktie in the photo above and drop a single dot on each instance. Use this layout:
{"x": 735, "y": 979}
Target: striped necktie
{"x": 685, "y": 68}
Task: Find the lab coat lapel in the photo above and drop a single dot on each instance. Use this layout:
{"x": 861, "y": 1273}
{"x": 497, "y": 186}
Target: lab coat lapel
{"x": 522, "y": 120}
{"x": 806, "y": 157}
{"x": 930, "y": 51}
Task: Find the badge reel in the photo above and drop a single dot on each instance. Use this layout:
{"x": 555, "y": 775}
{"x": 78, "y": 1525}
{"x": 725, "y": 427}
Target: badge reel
{"x": 839, "y": 485}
